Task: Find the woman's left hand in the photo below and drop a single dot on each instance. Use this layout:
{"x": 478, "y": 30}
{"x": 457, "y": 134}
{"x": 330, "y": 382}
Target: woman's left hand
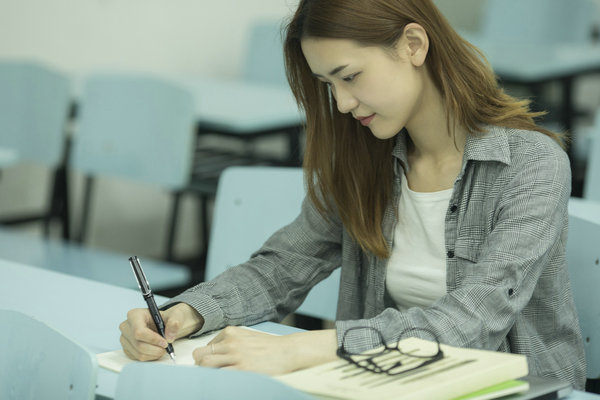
{"x": 245, "y": 349}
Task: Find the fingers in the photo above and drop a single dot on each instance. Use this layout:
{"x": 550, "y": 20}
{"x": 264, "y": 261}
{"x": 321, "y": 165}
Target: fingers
{"x": 219, "y": 352}
{"x": 181, "y": 320}
{"x": 141, "y": 351}
{"x": 139, "y": 338}
{"x": 172, "y": 326}
{"x": 208, "y": 356}
{"x": 232, "y": 348}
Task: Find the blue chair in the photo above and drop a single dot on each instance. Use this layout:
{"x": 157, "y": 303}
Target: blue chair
{"x": 591, "y": 189}
{"x": 147, "y": 381}
{"x": 263, "y": 71}
{"x": 35, "y": 102}
{"x": 138, "y": 128}
{"x": 38, "y": 362}
{"x": 251, "y": 204}
{"x": 264, "y": 54}
{"x": 583, "y": 255}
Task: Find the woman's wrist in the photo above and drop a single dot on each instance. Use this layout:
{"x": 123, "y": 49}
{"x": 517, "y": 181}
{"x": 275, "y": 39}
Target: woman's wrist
{"x": 191, "y": 321}
{"x": 312, "y": 348}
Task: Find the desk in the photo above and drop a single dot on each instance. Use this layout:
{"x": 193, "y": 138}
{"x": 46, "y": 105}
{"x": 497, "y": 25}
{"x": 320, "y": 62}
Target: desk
{"x": 533, "y": 66}
{"x": 86, "y": 311}
{"x": 540, "y": 64}
{"x": 241, "y": 106}
{"x": 93, "y": 319}
{"x": 98, "y": 265}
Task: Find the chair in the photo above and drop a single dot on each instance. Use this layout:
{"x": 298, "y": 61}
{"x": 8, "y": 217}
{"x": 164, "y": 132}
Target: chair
{"x": 34, "y": 109}
{"x": 138, "y": 128}
{"x": 38, "y": 362}
{"x": 251, "y": 204}
{"x": 263, "y": 73}
{"x": 591, "y": 188}
{"x": 583, "y": 255}
{"x": 147, "y": 381}
{"x": 264, "y": 54}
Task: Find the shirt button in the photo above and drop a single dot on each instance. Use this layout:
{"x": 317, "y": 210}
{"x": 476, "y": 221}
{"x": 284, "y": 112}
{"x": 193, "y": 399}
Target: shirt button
{"x": 453, "y": 208}
{"x": 450, "y": 254}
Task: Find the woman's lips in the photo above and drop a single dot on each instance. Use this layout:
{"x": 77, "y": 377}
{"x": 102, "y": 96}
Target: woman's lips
{"x": 365, "y": 121}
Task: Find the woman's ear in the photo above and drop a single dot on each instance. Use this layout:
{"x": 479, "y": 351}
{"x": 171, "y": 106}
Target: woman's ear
{"x": 417, "y": 42}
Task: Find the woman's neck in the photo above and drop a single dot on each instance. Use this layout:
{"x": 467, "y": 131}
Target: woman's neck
{"x": 429, "y": 129}
{"x": 434, "y": 153}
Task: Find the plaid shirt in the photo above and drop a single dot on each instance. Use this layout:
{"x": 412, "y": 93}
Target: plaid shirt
{"x": 508, "y": 287}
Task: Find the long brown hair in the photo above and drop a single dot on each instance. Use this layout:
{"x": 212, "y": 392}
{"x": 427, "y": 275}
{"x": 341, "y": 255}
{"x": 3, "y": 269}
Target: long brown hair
{"x": 346, "y": 167}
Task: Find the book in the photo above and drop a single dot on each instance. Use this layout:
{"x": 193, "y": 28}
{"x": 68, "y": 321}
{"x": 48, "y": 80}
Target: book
{"x": 503, "y": 389}
{"x": 460, "y": 372}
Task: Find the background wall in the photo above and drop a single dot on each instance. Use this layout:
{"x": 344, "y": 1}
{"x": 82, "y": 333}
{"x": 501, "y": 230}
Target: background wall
{"x": 191, "y": 37}
{"x": 170, "y": 36}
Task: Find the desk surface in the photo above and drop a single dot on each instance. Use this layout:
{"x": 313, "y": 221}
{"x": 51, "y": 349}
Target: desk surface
{"x": 85, "y": 262}
{"x": 240, "y": 106}
{"x": 86, "y": 311}
{"x": 535, "y": 63}
{"x": 90, "y": 312}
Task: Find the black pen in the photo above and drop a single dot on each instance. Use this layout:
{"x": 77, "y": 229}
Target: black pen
{"x": 149, "y": 297}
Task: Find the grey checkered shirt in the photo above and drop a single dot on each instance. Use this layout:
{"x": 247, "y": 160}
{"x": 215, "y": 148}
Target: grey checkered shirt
{"x": 507, "y": 283}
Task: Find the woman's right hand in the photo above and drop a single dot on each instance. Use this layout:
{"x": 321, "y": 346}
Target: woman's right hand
{"x": 140, "y": 339}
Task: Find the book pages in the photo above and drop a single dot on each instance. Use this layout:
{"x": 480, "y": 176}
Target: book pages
{"x": 461, "y": 371}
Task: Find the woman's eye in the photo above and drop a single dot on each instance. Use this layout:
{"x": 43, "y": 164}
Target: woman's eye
{"x": 350, "y": 78}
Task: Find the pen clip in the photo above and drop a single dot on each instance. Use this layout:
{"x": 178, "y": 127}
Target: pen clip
{"x": 139, "y": 275}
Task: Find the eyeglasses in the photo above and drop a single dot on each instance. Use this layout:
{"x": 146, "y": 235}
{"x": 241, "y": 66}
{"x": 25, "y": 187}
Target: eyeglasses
{"x": 387, "y": 359}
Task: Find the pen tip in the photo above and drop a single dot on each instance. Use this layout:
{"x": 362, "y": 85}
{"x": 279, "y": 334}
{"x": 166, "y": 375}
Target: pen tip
{"x": 173, "y": 358}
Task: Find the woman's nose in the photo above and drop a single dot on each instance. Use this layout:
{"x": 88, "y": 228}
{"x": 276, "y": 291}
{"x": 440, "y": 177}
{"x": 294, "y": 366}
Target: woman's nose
{"x": 345, "y": 100}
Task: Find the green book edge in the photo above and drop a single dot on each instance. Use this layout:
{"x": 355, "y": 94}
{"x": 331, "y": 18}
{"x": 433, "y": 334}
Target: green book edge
{"x": 495, "y": 391}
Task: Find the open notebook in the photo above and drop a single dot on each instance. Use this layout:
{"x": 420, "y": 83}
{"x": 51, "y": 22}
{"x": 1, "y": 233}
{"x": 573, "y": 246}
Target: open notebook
{"x": 116, "y": 360}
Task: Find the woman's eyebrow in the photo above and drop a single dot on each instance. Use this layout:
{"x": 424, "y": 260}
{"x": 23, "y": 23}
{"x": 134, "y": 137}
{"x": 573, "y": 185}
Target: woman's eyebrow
{"x": 334, "y": 71}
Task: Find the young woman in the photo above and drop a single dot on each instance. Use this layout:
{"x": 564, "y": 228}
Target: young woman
{"x": 441, "y": 200}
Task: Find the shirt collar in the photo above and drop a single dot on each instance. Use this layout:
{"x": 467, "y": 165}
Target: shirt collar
{"x": 489, "y": 145}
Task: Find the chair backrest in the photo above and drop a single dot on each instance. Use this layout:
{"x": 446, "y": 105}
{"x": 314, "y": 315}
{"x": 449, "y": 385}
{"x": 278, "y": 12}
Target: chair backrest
{"x": 135, "y": 127}
{"x": 583, "y": 256}
{"x": 147, "y": 381}
{"x": 250, "y": 205}
{"x": 591, "y": 189}
{"x": 539, "y": 21}
{"x": 37, "y": 362}
{"x": 34, "y": 107}
{"x": 264, "y": 54}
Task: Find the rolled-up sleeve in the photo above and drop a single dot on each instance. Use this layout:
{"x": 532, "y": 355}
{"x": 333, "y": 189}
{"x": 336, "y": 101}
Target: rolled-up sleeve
{"x": 277, "y": 277}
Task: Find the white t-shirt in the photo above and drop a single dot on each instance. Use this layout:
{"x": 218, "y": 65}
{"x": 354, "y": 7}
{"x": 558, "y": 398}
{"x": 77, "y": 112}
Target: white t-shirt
{"x": 416, "y": 270}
